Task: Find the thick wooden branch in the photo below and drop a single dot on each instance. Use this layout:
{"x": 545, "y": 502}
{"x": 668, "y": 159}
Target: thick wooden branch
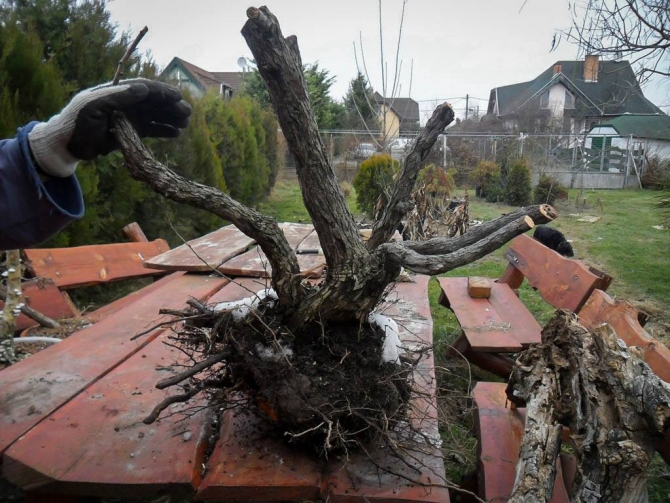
{"x": 280, "y": 65}
{"x": 142, "y": 166}
{"x": 616, "y": 408}
{"x": 442, "y": 245}
{"x": 401, "y": 202}
{"x": 402, "y": 255}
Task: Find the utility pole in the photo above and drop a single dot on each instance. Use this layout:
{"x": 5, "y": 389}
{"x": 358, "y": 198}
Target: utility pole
{"x": 467, "y": 98}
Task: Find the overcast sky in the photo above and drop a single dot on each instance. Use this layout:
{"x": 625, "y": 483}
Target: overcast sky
{"x": 458, "y": 47}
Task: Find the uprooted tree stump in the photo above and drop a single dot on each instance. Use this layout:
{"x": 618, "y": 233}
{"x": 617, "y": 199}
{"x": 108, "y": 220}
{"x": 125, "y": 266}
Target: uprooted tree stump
{"x": 616, "y": 408}
{"x": 282, "y": 352}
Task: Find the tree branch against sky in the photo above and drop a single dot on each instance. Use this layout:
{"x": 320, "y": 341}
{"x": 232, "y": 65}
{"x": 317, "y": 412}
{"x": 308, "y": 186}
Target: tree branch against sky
{"x": 637, "y": 30}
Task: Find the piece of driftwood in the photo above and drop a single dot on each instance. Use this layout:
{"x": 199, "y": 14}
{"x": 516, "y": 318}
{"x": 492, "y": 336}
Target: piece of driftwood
{"x": 616, "y": 408}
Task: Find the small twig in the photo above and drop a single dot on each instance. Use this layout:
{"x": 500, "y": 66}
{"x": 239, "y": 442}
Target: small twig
{"x": 274, "y": 337}
{"x": 195, "y": 369}
{"x": 162, "y": 324}
{"x": 126, "y": 56}
{"x": 185, "y": 397}
{"x": 199, "y": 306}
{"x": 296, "y": 435}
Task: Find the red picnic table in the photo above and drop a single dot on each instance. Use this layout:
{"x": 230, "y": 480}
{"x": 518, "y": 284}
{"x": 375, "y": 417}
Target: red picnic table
{"x": 71, "y": 415}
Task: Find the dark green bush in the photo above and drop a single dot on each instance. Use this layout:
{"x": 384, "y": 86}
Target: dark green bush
{"x": 486, "y": 177}
{"x": 548, "y": 190}
{"x": 518, "y": 188}
{"x": 374, "y": 180}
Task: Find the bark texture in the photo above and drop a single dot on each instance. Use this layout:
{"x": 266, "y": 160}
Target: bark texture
{"x": 142, "y": 166}
{"x": 616, "y": 408}
{"x": 12, "y": 307}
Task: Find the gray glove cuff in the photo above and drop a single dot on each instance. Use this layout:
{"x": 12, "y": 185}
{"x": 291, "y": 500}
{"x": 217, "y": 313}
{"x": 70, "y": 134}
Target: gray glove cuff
{"x": 50, "y": 150}
{"x": 49, "y": 140}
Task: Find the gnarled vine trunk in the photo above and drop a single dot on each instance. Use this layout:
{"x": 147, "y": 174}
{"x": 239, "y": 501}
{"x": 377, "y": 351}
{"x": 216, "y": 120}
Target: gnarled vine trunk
{"x": 357, "y": 273}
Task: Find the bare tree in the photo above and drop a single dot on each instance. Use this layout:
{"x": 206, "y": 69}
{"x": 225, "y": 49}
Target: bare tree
{"x": 636, "y": 29}
{"x": 390, "y": 83}
{"x": 308, "y": 317}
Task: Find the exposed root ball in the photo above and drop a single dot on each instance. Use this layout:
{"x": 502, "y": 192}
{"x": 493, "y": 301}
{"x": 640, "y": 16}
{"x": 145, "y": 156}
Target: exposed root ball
{"x": 324, "y": 386}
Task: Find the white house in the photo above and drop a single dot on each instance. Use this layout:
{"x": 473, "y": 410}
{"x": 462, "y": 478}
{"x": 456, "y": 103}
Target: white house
{"x": 647, "y": 135}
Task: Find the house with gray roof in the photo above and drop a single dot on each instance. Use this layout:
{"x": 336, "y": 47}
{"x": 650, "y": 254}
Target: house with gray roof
{"x": 397, "y": 115}
{"x": 571, "y": 96}
{"x": 198, "y": 81}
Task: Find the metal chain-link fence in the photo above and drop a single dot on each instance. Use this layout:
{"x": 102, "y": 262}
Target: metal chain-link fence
{"x": 575, "y": 160}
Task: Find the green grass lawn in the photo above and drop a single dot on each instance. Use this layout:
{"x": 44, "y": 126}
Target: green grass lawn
{"x": 622, "y": 242}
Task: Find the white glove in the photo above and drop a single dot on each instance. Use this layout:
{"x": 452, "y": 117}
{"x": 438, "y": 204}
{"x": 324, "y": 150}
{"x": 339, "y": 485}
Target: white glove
{"x": 81, "y": 130}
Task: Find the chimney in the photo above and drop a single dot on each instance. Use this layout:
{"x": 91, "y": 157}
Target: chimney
{"x": 558, "y": 68}
{"x": 591, "y": 62}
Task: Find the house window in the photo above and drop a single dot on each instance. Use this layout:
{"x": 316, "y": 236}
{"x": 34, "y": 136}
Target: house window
{"x": 544, "y": 100}
{"x": 569, "y": 100}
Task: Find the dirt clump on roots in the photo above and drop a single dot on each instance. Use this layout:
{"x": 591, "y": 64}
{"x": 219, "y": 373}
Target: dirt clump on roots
{"x": 321, "y": 386}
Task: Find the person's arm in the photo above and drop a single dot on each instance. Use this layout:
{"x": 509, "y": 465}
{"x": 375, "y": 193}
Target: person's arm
{"x": 32, "y": 207}
{"x": 39, "y": 194}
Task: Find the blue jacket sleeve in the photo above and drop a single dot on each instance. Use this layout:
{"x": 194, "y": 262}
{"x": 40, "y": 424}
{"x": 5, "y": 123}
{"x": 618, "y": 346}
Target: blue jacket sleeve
{"x": 32, "y": 210}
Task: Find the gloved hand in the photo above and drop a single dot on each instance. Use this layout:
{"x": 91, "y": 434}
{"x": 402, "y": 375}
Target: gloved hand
{"x": 81, "y": 130}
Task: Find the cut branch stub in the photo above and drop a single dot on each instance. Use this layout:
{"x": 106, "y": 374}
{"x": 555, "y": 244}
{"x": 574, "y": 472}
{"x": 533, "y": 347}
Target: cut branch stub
{"x": 617, "y": 410}
{"x": 280, "y": 66}
{"x": 401, "y": 255}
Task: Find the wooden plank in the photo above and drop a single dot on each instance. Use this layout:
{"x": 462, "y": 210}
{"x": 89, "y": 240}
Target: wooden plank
{"x": 499, "y": 429}
{"x": 524, "y": 327}
{"x": 97, "y": 445}
{"x": 495, "y": 363}
{"x": 360, "y": 480}
{"x": 134, "y": 233}
{"x": 95, "y": 264}
{"x": 249, "y": 465}
{"x": 45, "y": 297}
{"x": 132, "y": 297}
{"x": 296, "y": 233}
{"x": 255, "y": 264}
{"x": 562, "y": 283}
{"x": 623, "y": 318}
{"x": 252, "y": 263}
{"x": 485, "y": 329}
{"x": 33, "y": 388}
{"x": 204, "y": 253}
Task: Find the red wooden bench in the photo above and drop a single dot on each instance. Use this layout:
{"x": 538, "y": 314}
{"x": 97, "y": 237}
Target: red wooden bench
{"x": 623, "y": 317}
{"x": 501, "y": 323}
{"x": 71, "y": 417}
{"x": 499, "y": 426}
{"x": 54, "y": 270}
